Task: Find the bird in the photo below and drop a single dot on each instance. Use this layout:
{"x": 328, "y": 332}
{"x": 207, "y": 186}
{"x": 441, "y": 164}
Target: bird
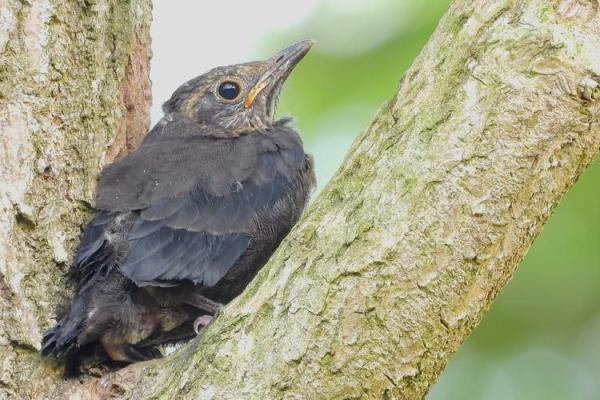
{"x": 183, "y": 223}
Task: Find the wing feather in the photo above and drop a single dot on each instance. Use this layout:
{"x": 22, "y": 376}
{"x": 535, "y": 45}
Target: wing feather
{"x": 190, "y": 210}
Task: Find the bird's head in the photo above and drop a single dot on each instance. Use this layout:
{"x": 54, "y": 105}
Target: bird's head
{"x": 233, "y": 100}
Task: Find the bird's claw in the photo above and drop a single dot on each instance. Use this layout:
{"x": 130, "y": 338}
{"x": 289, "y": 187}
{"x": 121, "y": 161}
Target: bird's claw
{"x": 201, "y": 323}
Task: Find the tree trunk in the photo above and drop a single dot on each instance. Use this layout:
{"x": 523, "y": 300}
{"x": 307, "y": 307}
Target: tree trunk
{"x": 397, "y": 260}
{"x": 74, "y": 94}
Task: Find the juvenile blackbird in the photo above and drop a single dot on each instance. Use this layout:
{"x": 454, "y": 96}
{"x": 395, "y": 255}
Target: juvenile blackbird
{"x": 187, "y": 220}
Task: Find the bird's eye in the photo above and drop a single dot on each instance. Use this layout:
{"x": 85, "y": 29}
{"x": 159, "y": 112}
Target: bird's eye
{"x": 229, "y": 90}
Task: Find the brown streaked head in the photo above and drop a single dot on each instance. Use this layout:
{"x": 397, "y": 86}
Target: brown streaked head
{"x": 237, "y": 99}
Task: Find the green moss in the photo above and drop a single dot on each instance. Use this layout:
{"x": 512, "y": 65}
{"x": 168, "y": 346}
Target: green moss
{"x": 7, "y": 72}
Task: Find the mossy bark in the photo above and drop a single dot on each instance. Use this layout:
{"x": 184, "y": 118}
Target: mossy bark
{"x": 74, "y": 92}
{"x": 401, "y": 255}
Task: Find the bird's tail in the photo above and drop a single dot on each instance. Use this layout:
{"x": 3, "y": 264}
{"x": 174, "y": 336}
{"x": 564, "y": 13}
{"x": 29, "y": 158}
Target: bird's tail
{"x": 62, "y": 341}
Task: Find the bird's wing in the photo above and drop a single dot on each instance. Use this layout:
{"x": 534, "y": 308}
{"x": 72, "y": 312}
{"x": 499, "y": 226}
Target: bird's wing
{"x": 170, "y": 165}
{"x": 194, "y": 231}
{"x": 95, "y": 253}
{"x": 198, "y": 236}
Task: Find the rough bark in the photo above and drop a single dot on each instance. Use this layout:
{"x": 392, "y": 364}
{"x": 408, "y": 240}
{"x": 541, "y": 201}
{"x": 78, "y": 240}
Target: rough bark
{"x": 402, "y": 254}
{"x": 74, "y": 93}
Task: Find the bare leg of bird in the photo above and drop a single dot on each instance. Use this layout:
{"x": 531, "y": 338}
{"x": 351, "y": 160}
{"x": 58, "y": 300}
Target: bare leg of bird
{"x": 203, "y": 303}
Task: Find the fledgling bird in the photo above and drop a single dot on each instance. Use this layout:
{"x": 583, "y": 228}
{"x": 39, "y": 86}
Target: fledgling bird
{"x": 187, "y": 220}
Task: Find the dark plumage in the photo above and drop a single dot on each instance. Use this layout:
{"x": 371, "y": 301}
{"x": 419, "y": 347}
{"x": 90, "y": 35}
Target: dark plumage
{"x": 187, "y": 220}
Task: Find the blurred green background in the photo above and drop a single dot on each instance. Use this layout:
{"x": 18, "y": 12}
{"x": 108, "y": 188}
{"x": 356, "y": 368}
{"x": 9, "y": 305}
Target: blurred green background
{"x": 541, "y": 339}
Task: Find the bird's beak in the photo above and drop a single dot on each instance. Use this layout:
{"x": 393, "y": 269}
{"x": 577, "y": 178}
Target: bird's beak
{"x": 279, "y": 68}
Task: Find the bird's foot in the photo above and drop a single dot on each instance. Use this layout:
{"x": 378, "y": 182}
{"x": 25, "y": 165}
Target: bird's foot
{"x": 150, "y": 353}
{"x": 124, "y": 352}
{"x": 202, "y": 322}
